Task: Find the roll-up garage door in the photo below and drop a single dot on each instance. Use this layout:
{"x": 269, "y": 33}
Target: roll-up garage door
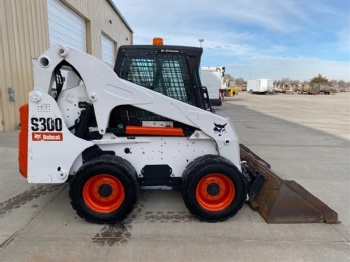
{"x": 107, "y": 50}
{"x": 65, "y": 26}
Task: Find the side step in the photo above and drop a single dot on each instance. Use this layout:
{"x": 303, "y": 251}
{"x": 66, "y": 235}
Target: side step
{"x": 284, "y": 201}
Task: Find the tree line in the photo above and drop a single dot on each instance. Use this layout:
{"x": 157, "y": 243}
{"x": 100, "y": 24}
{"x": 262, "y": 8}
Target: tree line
{"x": 317, "y": 80}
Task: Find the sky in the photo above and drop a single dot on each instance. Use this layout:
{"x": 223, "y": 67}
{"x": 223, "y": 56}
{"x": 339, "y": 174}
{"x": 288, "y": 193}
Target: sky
{"x": 275, "y": 39}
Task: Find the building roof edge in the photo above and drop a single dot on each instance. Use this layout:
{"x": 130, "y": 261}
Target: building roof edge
{"x": 121, "y": 16}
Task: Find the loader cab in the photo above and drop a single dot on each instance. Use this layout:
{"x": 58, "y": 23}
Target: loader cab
{"x": 169, "y": 70}
{"x": 124, "y": 120}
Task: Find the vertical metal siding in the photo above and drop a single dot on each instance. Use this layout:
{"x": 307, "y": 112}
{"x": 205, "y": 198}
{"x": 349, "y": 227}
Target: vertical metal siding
{"x": 2, "y": 65}
{"x": 102, "y": 18}
{"x": 23, "y": 35}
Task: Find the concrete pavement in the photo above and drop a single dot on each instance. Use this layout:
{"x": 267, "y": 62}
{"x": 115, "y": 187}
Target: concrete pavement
{"x": 304, "y": 138}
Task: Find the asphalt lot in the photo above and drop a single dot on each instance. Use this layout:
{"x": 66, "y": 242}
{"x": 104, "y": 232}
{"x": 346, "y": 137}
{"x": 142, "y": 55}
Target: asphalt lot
{"x": 304, "y": 138}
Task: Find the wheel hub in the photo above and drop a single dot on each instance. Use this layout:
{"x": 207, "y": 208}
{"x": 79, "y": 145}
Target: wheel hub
{"x": 105, "y": 190}
{"x": 213, "y": 189}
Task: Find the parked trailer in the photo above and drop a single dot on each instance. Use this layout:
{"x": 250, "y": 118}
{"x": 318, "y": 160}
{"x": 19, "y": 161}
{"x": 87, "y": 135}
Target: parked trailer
{"x": 301, "y": 89}
{"x": 212, "y": 79}
{"x": 260, "y": 86}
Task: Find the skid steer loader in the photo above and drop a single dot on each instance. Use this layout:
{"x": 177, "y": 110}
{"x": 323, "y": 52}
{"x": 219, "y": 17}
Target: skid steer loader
{"x": 108, "y": 136}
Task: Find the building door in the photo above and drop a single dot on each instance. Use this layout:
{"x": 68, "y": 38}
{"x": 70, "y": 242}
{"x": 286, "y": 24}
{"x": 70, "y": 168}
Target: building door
{"x": 65, "y": 26}
{"x": 108, "y": 54}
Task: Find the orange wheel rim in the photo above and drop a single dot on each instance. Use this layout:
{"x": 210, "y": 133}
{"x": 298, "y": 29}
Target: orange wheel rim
{"x": 215, "y": 192}
{"x": 103, "y": 193}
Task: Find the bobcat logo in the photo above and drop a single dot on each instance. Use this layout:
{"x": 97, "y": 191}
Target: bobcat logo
{"x": 219, "y": 128}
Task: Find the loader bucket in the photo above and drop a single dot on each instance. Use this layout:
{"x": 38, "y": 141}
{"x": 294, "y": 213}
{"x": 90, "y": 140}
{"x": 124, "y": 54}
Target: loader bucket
{"x": 283, "y": 201}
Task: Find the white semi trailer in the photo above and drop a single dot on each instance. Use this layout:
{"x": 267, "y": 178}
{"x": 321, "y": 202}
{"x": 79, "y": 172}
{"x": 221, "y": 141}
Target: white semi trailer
{"x": 212, "y": 78}
{"x": 260, "y": 86}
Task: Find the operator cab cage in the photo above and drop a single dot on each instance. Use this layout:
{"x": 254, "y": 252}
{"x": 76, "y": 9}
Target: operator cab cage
{"x": 170, "y": 70}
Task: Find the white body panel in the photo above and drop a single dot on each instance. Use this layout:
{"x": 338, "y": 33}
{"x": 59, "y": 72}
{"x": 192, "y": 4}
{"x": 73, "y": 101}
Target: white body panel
{"x": 52, "y": 148}
{"x": 105, "y": 91}
{"x": 260, "y": 85}
{"x": 177, "y": 152}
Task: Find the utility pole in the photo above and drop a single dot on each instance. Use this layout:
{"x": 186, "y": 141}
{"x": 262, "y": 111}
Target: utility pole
{"x": 200, "y": 40}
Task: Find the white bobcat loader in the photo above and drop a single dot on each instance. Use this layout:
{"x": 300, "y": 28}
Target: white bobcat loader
{"x": 108, "y": 136}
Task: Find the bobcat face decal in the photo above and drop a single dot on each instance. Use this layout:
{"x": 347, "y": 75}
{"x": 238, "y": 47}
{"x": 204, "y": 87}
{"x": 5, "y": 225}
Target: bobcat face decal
{"x": 219, "y": 128}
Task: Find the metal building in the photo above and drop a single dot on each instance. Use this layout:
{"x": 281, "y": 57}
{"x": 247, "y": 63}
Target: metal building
{"x": 29, "y": 27}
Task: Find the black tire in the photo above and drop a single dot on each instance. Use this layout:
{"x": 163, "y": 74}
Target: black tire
{"x": 104, "y": 190}
{"x": 213, "y": 201}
